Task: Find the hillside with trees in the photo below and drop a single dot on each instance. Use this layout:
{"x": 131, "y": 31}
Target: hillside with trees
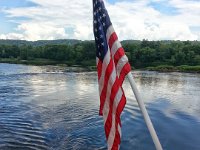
{"x": 141, "y": 54}
{"x": 40, "y": 42}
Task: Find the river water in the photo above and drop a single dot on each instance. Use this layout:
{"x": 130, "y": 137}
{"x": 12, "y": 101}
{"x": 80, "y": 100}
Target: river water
{"x": 48, "y": 107}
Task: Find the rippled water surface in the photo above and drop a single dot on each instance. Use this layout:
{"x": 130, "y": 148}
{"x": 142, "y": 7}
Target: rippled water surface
{"x": 49, "y": 107}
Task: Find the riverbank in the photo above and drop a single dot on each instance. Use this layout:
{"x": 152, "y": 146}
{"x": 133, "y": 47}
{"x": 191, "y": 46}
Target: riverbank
{"x": 182, "y": 68}
{"x": 72, "y": 67}
{"x": 86, "y": 66}
{"x": 36, "y": 62}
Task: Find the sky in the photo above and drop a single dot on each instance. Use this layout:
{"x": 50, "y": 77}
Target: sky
{"x": 72, "y": 19}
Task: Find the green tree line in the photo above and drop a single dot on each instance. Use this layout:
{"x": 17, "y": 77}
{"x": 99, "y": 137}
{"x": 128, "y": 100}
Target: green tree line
{"x": 141, "y": 54}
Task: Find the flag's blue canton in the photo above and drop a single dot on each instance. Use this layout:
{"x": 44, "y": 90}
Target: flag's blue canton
{"x": 101, "y": 24}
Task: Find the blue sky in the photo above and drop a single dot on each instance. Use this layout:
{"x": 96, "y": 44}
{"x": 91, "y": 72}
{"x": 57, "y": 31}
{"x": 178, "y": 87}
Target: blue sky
{"x": 132, "y": 19}
{"x": 6, "y": 24}
{"x": 16, "y": 3}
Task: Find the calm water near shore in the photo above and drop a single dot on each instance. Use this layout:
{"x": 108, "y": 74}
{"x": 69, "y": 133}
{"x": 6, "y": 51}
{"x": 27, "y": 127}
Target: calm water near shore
{"x": 48, "y": 107}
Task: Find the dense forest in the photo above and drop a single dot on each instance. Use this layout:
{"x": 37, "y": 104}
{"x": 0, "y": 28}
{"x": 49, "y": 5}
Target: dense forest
{"x": 141, "y": 54}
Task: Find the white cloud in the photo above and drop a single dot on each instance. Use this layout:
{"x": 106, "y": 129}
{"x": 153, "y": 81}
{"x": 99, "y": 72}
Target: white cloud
{"x": 131, "y": 19}
{"x": 144, "y": 22}
{"x": 11, "y": 36}
{"x": 82, "y": 32}
{"x": 35, "y": 31}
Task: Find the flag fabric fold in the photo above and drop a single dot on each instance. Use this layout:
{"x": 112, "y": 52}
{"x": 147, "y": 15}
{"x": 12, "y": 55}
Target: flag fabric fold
{"x": 112, "y": 67}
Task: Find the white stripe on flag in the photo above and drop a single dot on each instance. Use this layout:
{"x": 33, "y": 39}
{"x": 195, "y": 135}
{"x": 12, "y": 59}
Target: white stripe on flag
{"x": 119, "y": 129}
{"x": 97, "y": 60}
{"x": 116, "y": 45}
{"x": 120, "y": 132}
{"x": 106, "y": 107}
{"x": 109, "y": 32}
{"x": 122, "y": 61}
{"x": 111, "y": 136}
{"x": 106, "y": 61}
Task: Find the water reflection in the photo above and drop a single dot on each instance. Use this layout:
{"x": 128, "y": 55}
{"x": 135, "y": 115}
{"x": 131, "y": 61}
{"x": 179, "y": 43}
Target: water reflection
{"x": 182, "y": 91}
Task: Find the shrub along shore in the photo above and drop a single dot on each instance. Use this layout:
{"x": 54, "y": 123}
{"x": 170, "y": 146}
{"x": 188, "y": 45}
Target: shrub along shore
{"x": 162, "y": 56}
{"x": 161, "y": 68}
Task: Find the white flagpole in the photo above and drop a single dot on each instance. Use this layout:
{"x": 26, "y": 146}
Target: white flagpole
{"x": 144, "y": 112}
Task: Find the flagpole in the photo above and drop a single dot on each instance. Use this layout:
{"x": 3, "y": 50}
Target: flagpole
{"x": 144, "y": 112}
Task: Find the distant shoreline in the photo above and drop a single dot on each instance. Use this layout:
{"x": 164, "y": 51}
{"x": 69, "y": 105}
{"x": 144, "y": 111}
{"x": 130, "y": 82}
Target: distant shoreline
{"x": 162, "y": 56}
{"x": 79, "y": 68}
{"x": 182, "y": 68}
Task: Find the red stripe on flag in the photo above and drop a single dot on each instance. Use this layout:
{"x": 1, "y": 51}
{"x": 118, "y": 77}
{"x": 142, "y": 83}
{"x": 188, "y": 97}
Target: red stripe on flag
{"x": 108, "y": 123}
{"x": 104, "y": 91}
{"x": 121, "y": 106}
{"x": 99, "y": 68}
{"x": 125, "y": 70}
{"x": 117, "y": 138}
{"x": 112, "y": 39}
{"x": 119, "y": 53}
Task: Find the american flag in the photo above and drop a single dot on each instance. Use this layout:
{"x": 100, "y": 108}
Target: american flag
{"x": 112, "y": 67}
